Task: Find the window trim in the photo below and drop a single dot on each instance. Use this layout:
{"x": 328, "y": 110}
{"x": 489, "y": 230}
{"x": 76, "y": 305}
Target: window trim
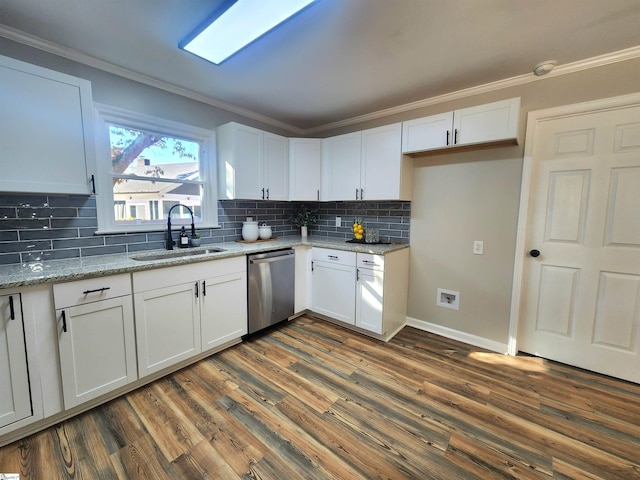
{"x": 107, "y": 115}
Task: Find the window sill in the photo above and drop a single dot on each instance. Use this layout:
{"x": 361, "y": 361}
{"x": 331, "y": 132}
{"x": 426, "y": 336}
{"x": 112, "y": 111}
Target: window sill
{"x": 154, "y": 229}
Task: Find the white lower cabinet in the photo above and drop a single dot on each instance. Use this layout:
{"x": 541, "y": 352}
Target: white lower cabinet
{"x": 369, "y": 286}
{"x": 333, "y": 285}
{"x": 167, "y": 326}
{"x": 365, "y": 290}
{"x": 175, "y": 322}
{"x": 223, "y": 313}
{"x": 15, "y": 398}
{"x": 96, "y": 337}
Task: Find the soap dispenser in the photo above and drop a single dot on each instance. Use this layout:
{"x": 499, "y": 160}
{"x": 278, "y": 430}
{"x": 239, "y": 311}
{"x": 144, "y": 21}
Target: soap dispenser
{"x": 183, "y": 241}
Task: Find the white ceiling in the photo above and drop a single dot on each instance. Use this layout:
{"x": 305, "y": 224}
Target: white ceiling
{"x": 338, "y": 59}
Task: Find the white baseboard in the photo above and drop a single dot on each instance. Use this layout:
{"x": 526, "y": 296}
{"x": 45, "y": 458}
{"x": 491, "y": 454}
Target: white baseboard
{"x": 458, "y": 335}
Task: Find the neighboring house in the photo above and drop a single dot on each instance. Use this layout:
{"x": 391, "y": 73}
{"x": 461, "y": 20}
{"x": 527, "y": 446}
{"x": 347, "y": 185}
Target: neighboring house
{"x": 144, "y": 200}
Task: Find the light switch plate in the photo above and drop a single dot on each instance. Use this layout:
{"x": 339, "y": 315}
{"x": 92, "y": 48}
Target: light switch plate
{"x": 478, "y": 247}
{"x": 338, "y": 221}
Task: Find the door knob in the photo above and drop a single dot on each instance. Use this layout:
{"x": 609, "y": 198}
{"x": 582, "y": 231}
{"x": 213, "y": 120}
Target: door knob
{"x": 534, "y": 253}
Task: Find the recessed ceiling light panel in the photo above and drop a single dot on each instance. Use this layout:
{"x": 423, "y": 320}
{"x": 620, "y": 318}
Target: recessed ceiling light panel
{"x": 237, "y": 24}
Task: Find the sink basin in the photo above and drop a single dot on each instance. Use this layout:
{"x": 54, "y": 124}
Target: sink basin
{"x": 175, "y": 254}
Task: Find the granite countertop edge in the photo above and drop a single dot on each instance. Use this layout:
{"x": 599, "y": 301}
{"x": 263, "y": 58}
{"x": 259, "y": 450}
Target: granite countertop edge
{"x": 52, "y": 271}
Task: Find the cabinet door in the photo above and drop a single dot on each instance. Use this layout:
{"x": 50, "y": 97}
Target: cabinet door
{"x": 275, "y": 156}
{"x": 333, "y": 290}
{"x": 427, "y": 133}
{"x": 223, "y": 309}
{"x": 369, "y": 300}
{"x": 305, "y": 156}
{"x": 381, "y": 167}
{"x": 46, "y": 125}
{"x": 239, "y": 161}
{"x": 167, "y": 326}
{"x": 487, "y": 123}
{"x": 15, "y": 399}
{"x": 97, "y": 349}
{"x": 341, "y": 167}
{"x": 248, "y": 162}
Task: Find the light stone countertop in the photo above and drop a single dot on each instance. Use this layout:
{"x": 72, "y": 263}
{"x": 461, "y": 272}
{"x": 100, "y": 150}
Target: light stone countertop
{"x": 19, "y": 275}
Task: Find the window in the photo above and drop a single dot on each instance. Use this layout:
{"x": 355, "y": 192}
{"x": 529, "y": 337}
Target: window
{"x": 146, "y": 166}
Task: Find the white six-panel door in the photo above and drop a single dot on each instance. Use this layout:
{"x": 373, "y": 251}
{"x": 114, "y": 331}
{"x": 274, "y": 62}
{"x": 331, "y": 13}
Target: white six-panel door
{"x": 580, "y": 297}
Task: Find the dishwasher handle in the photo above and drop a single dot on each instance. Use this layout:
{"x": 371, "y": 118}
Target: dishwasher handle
{"x": 258, "y": 261}
{"x": 271, "y": 256}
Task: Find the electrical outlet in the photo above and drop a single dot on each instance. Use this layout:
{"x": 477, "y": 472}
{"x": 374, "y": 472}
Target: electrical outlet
{"x": 338, "y": 221}
{"x": 478, "y": 247}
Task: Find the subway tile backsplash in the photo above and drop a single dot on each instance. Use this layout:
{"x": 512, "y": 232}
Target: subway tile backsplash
{"x": 51, "y": 227}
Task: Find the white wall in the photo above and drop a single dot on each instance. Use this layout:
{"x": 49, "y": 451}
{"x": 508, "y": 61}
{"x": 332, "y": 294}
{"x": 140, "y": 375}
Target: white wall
{"x": 458, "y": 199}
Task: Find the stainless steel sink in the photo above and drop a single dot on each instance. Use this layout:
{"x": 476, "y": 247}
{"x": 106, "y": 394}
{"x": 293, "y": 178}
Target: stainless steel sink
{"x": 175, "y": 254}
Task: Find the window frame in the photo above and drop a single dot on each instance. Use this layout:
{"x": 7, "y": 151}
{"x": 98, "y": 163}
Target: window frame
{"x": 107, "y": 115}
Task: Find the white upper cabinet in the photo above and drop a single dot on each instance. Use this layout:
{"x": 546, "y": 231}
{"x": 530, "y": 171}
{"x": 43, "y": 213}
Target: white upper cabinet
{"x": 275, "y": 166}
{"x": 492, "y": 122}
{"x": 341, "y": 167}
{"x": 366, "y": 165}
{"x": 495, "y": 122}
{"x": 46, "y": 130}
{"x": 305, "y": 156}
{"x": 427, "y": 133}
{"x": 385, "y": 174}
{"x": 252, "y": 164}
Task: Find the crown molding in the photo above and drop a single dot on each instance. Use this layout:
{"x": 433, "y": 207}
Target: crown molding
{"x": 71, "y": 54}
{"x": 50, "y": 47}
{"x": 599, "y": 61}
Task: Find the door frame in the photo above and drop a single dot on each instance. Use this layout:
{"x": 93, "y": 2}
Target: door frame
{"x": 533, "y": 119}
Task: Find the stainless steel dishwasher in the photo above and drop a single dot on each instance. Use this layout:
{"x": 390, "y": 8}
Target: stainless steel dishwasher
{"x": 271, "y": 277}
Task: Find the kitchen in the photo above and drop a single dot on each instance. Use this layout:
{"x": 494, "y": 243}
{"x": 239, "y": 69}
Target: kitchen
{"x": 481, "y": 188}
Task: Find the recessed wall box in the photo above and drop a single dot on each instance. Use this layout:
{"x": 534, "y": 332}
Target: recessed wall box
{"x": 448, "y": 299}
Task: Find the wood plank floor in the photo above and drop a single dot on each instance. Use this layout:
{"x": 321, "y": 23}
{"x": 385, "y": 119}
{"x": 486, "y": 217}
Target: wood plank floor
{"x": 314, "y": 401}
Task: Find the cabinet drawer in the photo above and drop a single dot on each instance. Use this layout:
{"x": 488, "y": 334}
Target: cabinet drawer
{"x": 334, "y": 256}
{"x": 91, "y": 290}
{"x": 368, "y": 260}
{"x": 168, "y": 276}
